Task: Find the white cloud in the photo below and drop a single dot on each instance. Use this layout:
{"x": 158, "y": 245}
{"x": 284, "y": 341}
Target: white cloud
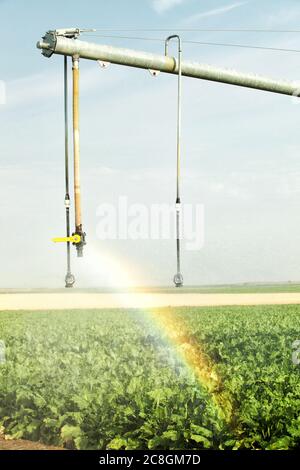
{"x": 163, "y": 5}
{"x": 214, "y": 12}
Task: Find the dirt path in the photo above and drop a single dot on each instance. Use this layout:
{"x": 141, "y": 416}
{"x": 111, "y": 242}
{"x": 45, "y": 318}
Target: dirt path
{"x": 55, "y": 301}
{"x": 24, "y": 445}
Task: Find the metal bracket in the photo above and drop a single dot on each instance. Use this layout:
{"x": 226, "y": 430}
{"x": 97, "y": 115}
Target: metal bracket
{"x": 153, "y": 72}
{"x": 72, "y": 33}
{"x": 48, "y": 43}
{"x": 103, "y": 64}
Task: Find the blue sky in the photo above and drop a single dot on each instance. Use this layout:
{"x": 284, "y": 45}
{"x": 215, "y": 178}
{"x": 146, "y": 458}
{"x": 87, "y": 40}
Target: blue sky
{"x": 240, "y": 147}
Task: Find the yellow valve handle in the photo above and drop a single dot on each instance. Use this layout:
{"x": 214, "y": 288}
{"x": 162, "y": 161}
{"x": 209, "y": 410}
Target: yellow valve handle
{"x": 73, "y": 239}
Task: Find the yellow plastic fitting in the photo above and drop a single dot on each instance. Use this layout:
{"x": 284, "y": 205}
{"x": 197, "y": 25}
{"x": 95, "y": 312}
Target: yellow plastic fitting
{"x": 73, "y": 239}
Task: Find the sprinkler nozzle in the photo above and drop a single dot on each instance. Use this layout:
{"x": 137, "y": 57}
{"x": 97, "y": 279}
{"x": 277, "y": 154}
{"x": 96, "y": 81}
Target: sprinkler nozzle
{"x": 69, "y": 280}
{"x": 178, "y": 280}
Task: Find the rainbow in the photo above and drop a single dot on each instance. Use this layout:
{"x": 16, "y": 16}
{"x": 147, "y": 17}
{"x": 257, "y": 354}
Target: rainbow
{"x": 117, "y": 273}
{"x": 194, "y": 358}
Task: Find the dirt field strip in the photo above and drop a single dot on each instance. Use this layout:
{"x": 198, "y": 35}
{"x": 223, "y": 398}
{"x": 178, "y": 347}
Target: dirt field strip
{"x": 24, "y": 445}
{"x": 57, "y": 301}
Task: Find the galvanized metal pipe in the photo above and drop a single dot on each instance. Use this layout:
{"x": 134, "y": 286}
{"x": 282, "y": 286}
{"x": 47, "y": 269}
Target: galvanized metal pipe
{"x": 67, "y": 194}
{"x": 54, "y": 44}
{"x": 178, "y": 278}
{"x": 66, "y": 122}
{"x": 179, "y": 66}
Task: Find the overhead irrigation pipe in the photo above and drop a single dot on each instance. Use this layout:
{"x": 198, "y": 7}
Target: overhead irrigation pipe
{"x": 178, "y": 278}
{"x": 60, "y": 42}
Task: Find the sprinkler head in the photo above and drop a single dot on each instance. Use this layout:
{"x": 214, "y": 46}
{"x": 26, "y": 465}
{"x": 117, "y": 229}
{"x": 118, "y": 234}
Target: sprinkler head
{"x": 69, "y": 280}
{"x": 178, "y": 280}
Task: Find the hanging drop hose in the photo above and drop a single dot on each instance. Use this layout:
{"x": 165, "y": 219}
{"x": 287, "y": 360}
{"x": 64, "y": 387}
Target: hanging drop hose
{"x": 178, "y": 278}
{"x": 77, "y": 191}
{"x": 78, "y": 237}
{"x": 69, "y": 279}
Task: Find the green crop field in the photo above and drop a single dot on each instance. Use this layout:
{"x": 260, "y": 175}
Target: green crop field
{"x": 116, "y": 379}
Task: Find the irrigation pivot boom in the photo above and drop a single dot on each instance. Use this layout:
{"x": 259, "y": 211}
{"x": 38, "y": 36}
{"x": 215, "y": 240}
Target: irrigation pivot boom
{"x": 65, "y": 42}
{"x": 54, "y": 42}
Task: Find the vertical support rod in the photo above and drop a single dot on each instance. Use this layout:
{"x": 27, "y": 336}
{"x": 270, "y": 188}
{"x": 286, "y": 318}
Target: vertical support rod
{"x": 67, "y": 196}
{"x": 76, "y": 150}
{"x": 69, "y": 279}
{"x": 178, "y": 156}
{"x": 178, "y": 279}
